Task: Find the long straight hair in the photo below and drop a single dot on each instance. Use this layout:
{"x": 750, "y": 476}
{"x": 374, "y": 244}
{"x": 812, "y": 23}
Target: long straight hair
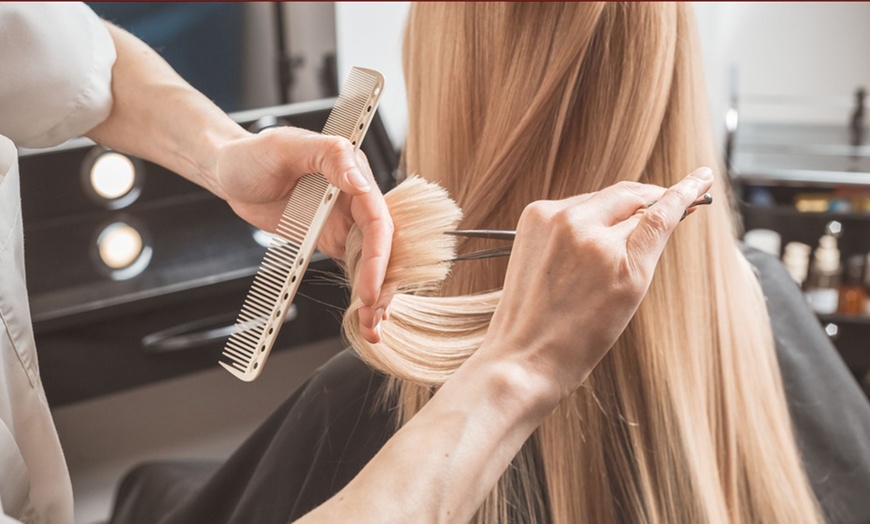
{"x": 685, "y": 420}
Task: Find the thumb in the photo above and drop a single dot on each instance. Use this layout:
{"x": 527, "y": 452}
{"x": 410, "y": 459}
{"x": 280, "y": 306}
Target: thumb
{"x": 656, "y": 224}
{"x": 298, "y": 152}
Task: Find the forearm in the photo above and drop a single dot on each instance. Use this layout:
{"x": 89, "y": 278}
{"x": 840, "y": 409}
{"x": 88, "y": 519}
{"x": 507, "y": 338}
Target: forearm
{"x": 442, "y": 464}
{"x": 158, "y": 116}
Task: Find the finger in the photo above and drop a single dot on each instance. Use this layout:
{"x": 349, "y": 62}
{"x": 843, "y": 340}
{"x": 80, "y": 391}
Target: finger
{"x": 624, "y": 199}
{"x": 369, "y": 212}
{"x": 656, "y": 224}
{"x": 618, "y": 202}
{"x": 627, "y": 226}
{"x": 366, "y": 323}
{"x": 333, "y": 241}
{"x": 303, "y": 152}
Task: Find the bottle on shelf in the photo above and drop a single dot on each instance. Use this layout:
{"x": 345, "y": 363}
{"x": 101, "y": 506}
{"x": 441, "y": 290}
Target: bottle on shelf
{"x": 796, "y": 259}
{"x": 852, "y": 295}
{"x": 823, "y": 287}
{"x": 765, "y": 240}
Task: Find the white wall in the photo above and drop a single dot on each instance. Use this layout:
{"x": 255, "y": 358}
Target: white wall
{"x": 369, "y": 35}
{"x": 818, "y": 48}
{"x": 309, "y": 34}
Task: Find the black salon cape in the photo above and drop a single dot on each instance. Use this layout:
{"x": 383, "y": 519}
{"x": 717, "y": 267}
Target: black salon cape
{"x": 321, "y": 437}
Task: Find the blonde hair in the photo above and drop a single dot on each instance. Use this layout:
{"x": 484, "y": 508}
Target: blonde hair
{"x": 685, "y": 420}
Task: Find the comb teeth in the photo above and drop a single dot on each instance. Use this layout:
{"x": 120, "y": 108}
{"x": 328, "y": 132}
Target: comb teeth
{"x": 344, "y": 119}
{"x": 298, "y": 231}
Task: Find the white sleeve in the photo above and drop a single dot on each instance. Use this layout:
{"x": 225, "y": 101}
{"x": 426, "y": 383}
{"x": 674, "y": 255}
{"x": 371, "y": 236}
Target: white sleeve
{"x": 55, "y": 72}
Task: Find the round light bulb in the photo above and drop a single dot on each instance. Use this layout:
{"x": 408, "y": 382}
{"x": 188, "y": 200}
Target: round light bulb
{"x": 113, "y": 175}
{"x": 119, "y": 245}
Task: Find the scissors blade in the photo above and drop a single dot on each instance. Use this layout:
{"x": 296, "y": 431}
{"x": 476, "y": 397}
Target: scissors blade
{"x": 502, "y": 234}
{"x": 495, "y": 234}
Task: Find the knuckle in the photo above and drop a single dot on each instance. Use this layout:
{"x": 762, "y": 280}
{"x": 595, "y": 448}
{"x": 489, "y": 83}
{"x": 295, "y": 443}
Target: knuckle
{"x": 629, "y": 186}
{"x": 534, "y": 214}
{"x": 387, "y": 228}
{"x": 563, "y": 219}
{"x": 536, "y": 208}
{"x": 337, "y": 148}
{"x": 657, "y": 220}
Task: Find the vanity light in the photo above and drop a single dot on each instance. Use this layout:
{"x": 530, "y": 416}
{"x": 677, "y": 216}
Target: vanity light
{"x": 123, "y": 251}
{"x": 112, "y": 175}
{"x": 112, "y": 179}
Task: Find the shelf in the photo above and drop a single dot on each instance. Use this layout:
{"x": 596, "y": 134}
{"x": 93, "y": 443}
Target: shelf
{"x": 800, "y": 177}
{"x": 792, "y": 158}
{"x": 838, "y": 318}
{"x": 790, "y": 212}
{"x": 798, "y": 155}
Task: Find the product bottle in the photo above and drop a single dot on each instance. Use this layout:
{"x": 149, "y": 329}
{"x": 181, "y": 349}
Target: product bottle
{"x": 823, "y": 287}
{"x": 852, "y": 294}
{"x": 796, "y": 259}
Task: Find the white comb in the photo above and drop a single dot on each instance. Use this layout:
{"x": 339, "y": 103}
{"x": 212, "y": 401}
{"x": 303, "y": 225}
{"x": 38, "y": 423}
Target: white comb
{"x": 297, "y": 234}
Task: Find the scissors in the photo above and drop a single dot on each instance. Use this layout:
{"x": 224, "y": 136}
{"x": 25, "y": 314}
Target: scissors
{"x": 510, "y": 235}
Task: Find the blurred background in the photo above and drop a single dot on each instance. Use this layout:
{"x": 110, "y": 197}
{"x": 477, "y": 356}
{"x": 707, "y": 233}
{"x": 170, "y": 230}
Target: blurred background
{"x": 230, "y": 51}
{"x": 130, "y": 325}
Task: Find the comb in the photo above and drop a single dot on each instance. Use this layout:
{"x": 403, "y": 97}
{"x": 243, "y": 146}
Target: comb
{"x": 296, "y": 237}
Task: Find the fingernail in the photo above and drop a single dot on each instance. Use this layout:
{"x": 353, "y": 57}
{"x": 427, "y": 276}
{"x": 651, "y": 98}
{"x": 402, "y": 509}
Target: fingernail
{"x": 376, "y": 321}
{"x": 703, "y": 173}
{"x": 357, "y": 180}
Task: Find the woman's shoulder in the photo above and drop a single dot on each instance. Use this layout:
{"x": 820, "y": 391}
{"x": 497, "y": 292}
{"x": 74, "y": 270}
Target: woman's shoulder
{"x": 812, "y": 369}
{"x": 343, "y": 378}
{"x": 343, "y": 400}
{"x": 303, "y": 454}
{"x": 831, "y": 414}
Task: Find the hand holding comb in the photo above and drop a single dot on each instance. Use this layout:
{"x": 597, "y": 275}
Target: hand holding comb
{"x": 296, "y": 236}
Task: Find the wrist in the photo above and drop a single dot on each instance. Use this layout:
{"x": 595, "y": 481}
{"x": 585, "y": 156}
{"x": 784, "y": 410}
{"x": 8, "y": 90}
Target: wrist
{"x": 522, "y": 391}
{"x": 207, "y": 159}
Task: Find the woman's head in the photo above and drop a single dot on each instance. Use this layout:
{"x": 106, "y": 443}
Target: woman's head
{"x": 511, "y": 103}
{"x": 685, "y": 419}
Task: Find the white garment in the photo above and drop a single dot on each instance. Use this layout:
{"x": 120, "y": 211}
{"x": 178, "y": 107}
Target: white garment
{"x": 55, "y": 83}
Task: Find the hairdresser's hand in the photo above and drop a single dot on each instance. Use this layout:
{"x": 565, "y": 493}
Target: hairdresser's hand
{"x": 257, "y": 173}
{"x": 158, "y": 116}
{"x": 578, "y": 272}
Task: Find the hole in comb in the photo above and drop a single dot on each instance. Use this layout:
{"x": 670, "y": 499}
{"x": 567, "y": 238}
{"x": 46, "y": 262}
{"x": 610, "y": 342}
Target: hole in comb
{"x": 256, "y": 364}
{"x": 278, "y": 313}
{"x": 353, "y": 143}
{"x": 286, "y": 296}
{"x": 293, "y": 278}
{"x": 271, "y": 330}
{"x": 262, "y": 349}
{"x": 361, "y": 126}
{"x": 328, "y": 197}
{"x": 377, "y": 90}
{"x": 301, "y": 260}
{"x": 369, "y": 109}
